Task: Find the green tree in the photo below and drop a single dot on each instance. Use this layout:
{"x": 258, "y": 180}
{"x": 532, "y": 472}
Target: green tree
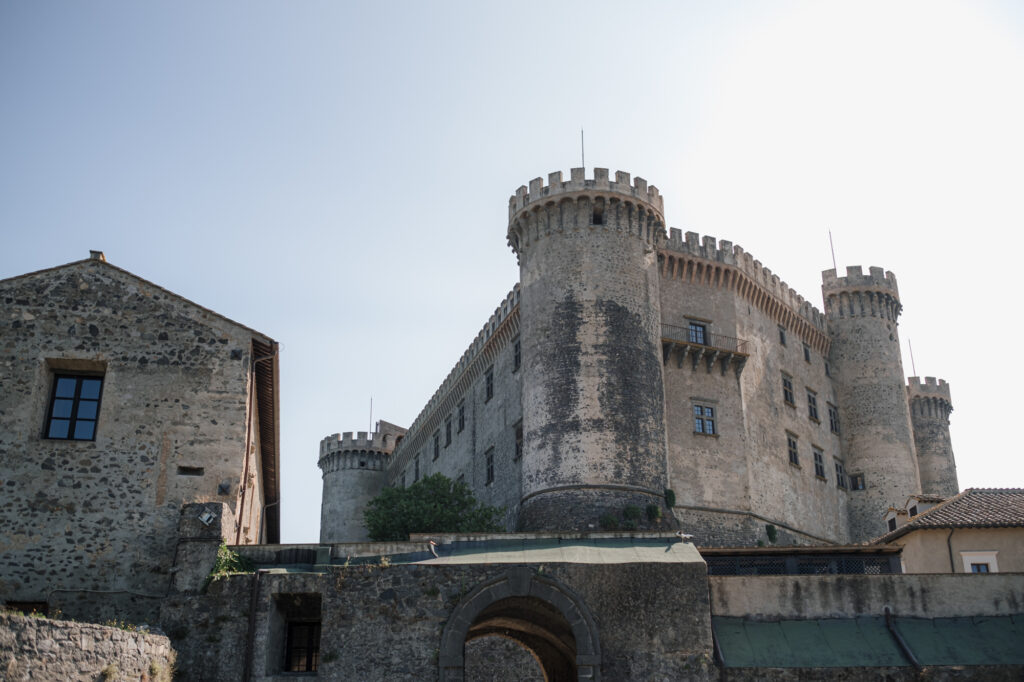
{"x": 434, "y": 504}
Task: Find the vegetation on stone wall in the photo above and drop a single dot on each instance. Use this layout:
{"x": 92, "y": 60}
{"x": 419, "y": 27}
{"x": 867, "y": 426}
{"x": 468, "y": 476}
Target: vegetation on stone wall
{"x": 228, "y": 562}
{"x": 434, "y": 504}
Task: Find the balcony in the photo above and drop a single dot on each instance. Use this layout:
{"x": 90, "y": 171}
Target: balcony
{"x": 700, "y": 346}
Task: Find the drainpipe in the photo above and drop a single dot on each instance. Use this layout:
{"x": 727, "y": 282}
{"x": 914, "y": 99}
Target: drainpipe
{"x": 904, "y": 647}
{"x": 949, "y": 545}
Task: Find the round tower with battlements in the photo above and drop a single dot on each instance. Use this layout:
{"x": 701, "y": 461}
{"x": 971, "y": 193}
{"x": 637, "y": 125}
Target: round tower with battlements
{"x": 930, "y": 405}
{"x": 593, "y": 397}
{"x": 354, "y": 471}
{"x": 878, "y": 441}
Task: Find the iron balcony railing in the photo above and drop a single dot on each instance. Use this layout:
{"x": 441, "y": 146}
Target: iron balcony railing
{"x": 702, "y": 337}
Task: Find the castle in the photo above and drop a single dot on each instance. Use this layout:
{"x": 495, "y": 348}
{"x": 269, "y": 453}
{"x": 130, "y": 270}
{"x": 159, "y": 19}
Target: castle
{"x": 629, "y": 369}
{"x": 628, "y": 365}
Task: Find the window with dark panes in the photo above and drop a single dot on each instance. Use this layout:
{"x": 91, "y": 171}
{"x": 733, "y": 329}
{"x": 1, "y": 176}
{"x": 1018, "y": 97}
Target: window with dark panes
{"x": 448, "y": 431}
{"x": 302, "y": 652}
{"x": 812, "y": 405}
{"x": 787, "y": 389}
{"x": 462, "y": 417}
{"x": 74, "y": 407}
{"x": 517, "y": 355}
{"x": 489, "y": 384}
{"x": 819, "y": 463}
{"x": 840, "y": 475}
{"x": 489, "y": 459}
{"x": 792, "y": 449}
{"x": 698, "y": 334}
{"x": 704, "y": 420}
{"x": 519, "y": 440}
{"x": 437, "y": 444}
{"x": 833, "y": 418}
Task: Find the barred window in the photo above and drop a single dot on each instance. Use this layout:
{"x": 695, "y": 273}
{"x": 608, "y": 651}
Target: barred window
{"x": 302, "y": 651}
{"x": 704, "y": 420}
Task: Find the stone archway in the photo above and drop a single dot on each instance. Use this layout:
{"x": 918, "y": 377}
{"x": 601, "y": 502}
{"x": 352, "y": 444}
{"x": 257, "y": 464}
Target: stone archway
{"x": 538, "y": 612}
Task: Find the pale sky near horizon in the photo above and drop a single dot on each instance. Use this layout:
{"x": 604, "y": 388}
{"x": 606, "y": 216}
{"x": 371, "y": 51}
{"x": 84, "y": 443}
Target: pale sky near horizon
{"x": 337, "y": 175}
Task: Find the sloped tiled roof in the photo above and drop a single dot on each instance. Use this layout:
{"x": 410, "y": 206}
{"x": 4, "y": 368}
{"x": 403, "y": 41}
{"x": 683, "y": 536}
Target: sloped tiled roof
{"x": 973, "y": 508}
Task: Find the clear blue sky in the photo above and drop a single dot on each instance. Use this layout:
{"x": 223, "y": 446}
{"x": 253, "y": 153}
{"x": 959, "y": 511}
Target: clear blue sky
{"x": 337, "y": 174}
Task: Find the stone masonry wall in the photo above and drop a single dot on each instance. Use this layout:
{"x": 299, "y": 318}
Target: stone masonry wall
{"x": 45, "y": 650}
{"x": 92, "y": 524}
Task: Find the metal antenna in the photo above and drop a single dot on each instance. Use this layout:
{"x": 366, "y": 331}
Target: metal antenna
{"x": 912, "y": 365}
{"x": 583, "y": 156}
{"x": 831, "y": 246}
{"x": 371, "y": 414}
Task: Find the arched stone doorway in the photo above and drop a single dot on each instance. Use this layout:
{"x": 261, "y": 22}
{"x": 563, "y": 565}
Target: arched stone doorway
{"x": 537, "y": 612}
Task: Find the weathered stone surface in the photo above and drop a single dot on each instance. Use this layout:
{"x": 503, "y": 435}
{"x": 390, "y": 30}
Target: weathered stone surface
{"x": 45, "y": 650}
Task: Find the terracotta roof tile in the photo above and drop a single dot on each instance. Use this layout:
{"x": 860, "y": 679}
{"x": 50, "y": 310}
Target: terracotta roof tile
{"x": 973, "y": 508}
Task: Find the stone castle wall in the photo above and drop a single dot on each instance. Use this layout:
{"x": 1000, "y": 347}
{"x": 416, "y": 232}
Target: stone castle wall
{"x": 91, "y": 524}
{"x": 42, "y": 649}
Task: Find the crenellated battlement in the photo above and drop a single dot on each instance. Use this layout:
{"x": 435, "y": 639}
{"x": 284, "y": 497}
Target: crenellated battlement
{"x": 342, "y": 442}
{"x": 729, "y": 265}
{"x": 877, "y": 279}
{"x": 600, "y": 184}
{"x": 463, "y": 372}
{"x": 931, "y": 398}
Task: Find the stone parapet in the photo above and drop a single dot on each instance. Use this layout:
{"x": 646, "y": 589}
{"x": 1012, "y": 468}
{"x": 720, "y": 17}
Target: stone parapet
{"x": 639, "y": 190}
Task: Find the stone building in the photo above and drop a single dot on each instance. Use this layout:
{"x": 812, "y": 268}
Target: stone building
{"x": 120, "y": 402}
{"x": 630, "y": 366}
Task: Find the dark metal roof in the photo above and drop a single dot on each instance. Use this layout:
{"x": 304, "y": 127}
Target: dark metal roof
{"x": 973, "y": 508}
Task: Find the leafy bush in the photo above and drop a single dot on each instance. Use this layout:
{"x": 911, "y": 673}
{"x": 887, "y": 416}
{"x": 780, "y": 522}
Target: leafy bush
{"x": 631, "y": 513}
{"x": 434, "y": 504}
{"x": 228, "y": 562}
{"x": 653, "y": 512}
{"x": 670, "y": 498}
{"x": 608, "y": 522}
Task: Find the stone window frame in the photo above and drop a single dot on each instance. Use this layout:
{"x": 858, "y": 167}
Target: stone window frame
{"x": 841, "y": 478}
{"x": 489, "y": 384}
{"x": 793, "y": 448}
{"x": 807, "y": 353}
{"x": 489, "y": 465}
{"x": 517, "y": 355}
{"x": 782, "y": 335}
{"x": 461, "y": 411}
{"x": 448, "y": 431}
{"x": 788, "y": 396}
{"x": 294, "y": 614}
{"x": 833, "y": 418}
{"x": 78, "y": 401}
{"x": 971, "y": 558}
{"x": 705, "y": 417}
{"x": 819, "y": 462}
{"x": 812, "y": 405}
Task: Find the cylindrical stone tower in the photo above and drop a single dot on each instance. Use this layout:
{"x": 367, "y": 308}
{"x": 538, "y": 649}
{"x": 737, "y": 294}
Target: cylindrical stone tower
{"x": 877, "y": 438}
{"x": 593, "y": 396}
{"x": 930, "y": 405}
{"x": 355, "y": 471}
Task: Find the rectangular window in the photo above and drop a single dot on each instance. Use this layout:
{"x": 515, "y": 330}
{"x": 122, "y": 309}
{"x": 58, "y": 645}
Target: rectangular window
{"x": 828, "y": 369}
{"x": 74, "y": 407}
{"x": 857, "y": 482}
{"x": 833, "y": 418}
{"x": 698, "y": 333}
{"x": 979, "y": 568}
{"x": 437, "y": 444}
{"x": 980, "y": 561}
{"x": 704, "y": 420}
{"x": 782, "y": 335}
{"x": 807, "y": 353}
{"x": 519, "y": 441}
{"x": 840, "y": 475}
{"x": 787, "y": 390}
{"x": 913, "y": 510}
{"x": 302, "y": 652}
{"x": 791, "y": 447}
{"x": 819, "y": 463}
{"x": 462, "y": 416}
{"x": 416, "y": 468}
{"x": 448, "y": 431}
{"x": 891, "y": 524}
{"x": 517, "y": 355}
{"x": 489, "y": 459}
{"x": 489, "y": 384}
{"x": 403, "y": 479}
{"x": 812, "y": 405}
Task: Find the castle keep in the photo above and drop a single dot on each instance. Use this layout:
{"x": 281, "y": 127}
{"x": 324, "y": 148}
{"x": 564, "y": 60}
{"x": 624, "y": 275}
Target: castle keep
{"x": 631, "y": 363}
